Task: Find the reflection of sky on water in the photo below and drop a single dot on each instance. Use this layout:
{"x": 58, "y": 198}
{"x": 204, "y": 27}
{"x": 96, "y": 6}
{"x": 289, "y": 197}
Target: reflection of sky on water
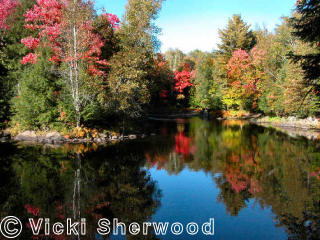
{"x": 192, "y": 197}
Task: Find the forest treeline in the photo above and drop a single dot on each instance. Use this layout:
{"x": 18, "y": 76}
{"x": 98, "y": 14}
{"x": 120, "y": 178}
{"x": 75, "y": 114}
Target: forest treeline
{"x": 63, "y": 64}
{"x": 253, "y": 71}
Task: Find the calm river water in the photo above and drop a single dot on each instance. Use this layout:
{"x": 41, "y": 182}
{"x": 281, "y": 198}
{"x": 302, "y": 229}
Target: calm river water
{"x": 255, "y": 182}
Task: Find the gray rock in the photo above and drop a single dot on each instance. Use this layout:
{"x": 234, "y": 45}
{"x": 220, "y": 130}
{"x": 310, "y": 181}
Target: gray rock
{"x": 132, "y": 136}
{"x": 292, "y": 119}
{"x": 114, "y": 138}
{"x": 55, "y": 136}
{"x": 104, "y": 136}
{"x": 29, "y": 136}
{"x": 42, "y": 140}
{"x": 98, "y": 140}
{"x": 5, "y": 134}
{"x": 310, "y": 119}
{"x": 58, "y": 142}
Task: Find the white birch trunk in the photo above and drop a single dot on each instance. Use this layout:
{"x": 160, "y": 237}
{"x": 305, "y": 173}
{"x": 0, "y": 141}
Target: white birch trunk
{"x": 75, "y": 75}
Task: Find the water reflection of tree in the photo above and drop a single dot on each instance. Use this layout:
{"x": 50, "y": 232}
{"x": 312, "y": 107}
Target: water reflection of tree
{"x": 233, "y": 201}
{"x": 9, "y": 184}
{"x": 113, "y": 184}
{"x": 129, "y": 191}
{"x": 250, "y": 162}
{"x": 246, "y": 162}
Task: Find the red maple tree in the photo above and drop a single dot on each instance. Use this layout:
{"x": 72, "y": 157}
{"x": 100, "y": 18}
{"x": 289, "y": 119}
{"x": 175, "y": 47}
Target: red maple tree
{"x": 66, "y": 27}
{"x": 46, "y": 18}
{"x": 183, "y": 78}
{"x": 6, "y": 8}
{"x": 113, "y": 20}
{"x": 52, "y": 21}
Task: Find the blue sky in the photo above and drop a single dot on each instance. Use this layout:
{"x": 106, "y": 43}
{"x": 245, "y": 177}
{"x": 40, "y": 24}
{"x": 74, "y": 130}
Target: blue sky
{"x": 194, "y": 24}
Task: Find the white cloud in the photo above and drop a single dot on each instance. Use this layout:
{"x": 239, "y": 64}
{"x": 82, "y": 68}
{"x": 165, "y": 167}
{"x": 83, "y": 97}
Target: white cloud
{"x": 190, "y": 35}
{"x": 202, "y": 33}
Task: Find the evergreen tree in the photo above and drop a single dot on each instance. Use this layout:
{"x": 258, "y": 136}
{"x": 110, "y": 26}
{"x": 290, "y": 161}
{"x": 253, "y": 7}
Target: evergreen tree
{"x": 3, "y": 95}
{"x": 236, "y": 35}
{"x": 11, "y": 52}
{"x": 306, "y": 25}
{"x": 66, "y": 27}
{"x": 36, "y": 105}
{"x": 103, "y": 26}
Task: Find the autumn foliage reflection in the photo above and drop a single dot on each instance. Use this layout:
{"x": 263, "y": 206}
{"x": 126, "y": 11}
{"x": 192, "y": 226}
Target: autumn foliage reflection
{"x": 248, "y": 163}
{"x": 76, "y": 181}
{"x": 182, "y": 148}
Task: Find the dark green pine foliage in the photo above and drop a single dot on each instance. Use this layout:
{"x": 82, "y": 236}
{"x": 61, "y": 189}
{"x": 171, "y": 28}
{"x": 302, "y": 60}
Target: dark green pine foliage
{"x": 236, "y": 35}
{"x": 3, "y": 96}
{"x": 11, "y": 53}
{"x": 36, "y": 105}
{"x": 111, "y": 41}
{"x": 307, "y": 27}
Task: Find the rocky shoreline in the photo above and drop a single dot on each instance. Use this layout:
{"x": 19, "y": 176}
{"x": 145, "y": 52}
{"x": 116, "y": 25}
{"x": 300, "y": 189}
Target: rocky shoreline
{"x": 55, "y": 138}
{"x": 294, "y": 127}
{"x": 5, "y": 136}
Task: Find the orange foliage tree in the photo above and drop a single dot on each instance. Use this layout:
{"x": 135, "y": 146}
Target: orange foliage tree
{"x": 245, "y": 71}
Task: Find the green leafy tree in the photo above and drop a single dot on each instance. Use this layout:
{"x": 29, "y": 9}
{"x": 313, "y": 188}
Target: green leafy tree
{"x": 298, "y": 101}
{"x": 203, "y": 82}
{"x": 284, "y": 91}
{"x": 162, "y": 83}
{"x": 131, "y": 67}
